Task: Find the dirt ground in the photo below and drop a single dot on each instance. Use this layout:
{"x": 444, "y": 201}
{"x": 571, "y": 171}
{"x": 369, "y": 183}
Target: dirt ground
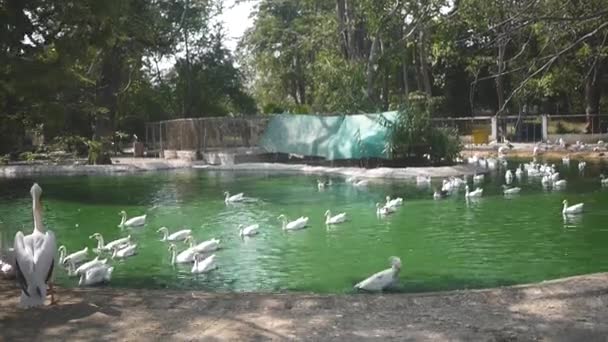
{"x": 552, "y": 154}
{"x": 571, "y": 309}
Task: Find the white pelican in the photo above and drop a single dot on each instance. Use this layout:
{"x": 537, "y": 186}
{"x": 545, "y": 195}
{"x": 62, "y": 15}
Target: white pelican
{"x": 74, "y": 258}
{"x": 340, "y": 218}
{"x": 203, "y": 247}
{"x": 124, "y": 251}
{"x": 35, "y": 258}
{"x": 249, "y": 230}
{"x": 511, "y": 191}
{"x": 133, "y": 221}
{"x": 177, "y": 236}
{"x": 476, "y": 193}
{"x": 393, "y": 203}
{"x": 203, "y": 266}
{"x": 603, "y": 180}
{"x": 95, "y": 275}
{"x": 183, "y": 257}
{"x": 300, "y": 223}
{"x": 383, "y": 210}
{"x": 234, "y": 198}
{"x": 89, "y": 265}
{"x": 575, "y": 209}
{"x": 382, "y": 279}
{"x": 110, "y": 246}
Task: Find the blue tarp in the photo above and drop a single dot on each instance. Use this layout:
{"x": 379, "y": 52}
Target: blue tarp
{"x": 331, "y": 137}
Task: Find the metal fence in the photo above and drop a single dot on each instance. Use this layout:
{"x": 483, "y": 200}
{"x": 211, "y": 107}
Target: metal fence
{"x": 202, "y": 134}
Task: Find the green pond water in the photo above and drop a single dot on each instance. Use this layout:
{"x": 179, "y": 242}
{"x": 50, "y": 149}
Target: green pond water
{"x": 444, "y": 244}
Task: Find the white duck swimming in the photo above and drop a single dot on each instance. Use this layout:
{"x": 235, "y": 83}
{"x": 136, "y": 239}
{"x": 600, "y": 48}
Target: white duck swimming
{"x": 423, "y": 180}
{"x": 203, "y": 247}
{"x": 382, "y": 279}
{"x": 581, "y": 166}
{"x": 574, "y": 209}
{"x": 603, "y": 180}
{"x": 560, "y": 183}
{"x": 360, "y": 183}
{"x": 340, "y": 218}
{"x": 124, "y": 251}
{"x": 299, "y": 223}
{"x": 74, "y": 258}
{"x": 203, "y": 266}
{"x": 177, "y": 236}
{"x": 382, "y": 210}
{"x": 476, "y": 193}
{"x": 249, "y": 230}
{"x": 234, "y": 198}
{"x": 478, "y": 178}
{"x": 111, "y": 245}
{"x": 96, "y": 275}
{"x": 136, "y": 221}
{"x": 393, "y": 203}
{"x": 511, "y": 191}
{"x": 89, "y": 265}
{"x": 566, "y": 159}
{"x": 183, "y": 257}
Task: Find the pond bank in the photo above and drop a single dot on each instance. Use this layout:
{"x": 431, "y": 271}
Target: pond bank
{"x": 126, "y": 165}
{"x": 119, "y": 165}
{"x": 569, "y": 309}
{"x": 380, "y": 172}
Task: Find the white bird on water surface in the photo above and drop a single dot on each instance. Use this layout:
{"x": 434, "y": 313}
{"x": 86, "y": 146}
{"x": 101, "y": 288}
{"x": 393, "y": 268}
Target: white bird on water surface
{"x": 136, "y": 221}
{"x": 89, "y": 265}
{"x": 299, "y": 223}
{"x": 109, "y": 246}
{"x": 574, "y": 209}
{"x": 336, "y": 219}
{"x": 511, "y": 191}
{"x": 177, "y": 236}
{"x": 203, "y": 247}
{"x": 603, "y": 180}
{"x": 476, "y": 193}
{"x": 35, "y": 258}
{"x": 183, "y": 257}
{"x": 203, "y": 266}
{"x": 382, "y": 210}
{"x": 96, "y": 275}
{"x": 250, "y": 230}
{"x": 124, "y": 252}
{"x": 234, "y": 198}
{"x": 383, "y": 279}
{"x": 478, "y": 178}
{"x": 393, "y": 203}
{"x": 74, "y": 258}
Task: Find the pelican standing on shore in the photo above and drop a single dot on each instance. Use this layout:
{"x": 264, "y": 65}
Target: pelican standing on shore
{"x": 35, "y": 258}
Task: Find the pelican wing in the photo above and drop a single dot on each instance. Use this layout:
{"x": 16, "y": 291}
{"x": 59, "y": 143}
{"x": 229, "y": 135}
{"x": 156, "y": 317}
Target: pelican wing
{"x": 44, "y": 257}
{"x": 377, "y": 281}
{"x": 24, "y": 262}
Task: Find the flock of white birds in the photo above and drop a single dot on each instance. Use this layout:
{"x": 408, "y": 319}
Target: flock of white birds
{"x": 30, "y": 251}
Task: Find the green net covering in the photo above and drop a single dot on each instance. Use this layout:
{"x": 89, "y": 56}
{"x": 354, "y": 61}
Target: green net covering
{"x": 331, "y": 137}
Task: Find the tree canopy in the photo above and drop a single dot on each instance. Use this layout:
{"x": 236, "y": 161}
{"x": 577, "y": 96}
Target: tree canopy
{"x": 91, "y": 68}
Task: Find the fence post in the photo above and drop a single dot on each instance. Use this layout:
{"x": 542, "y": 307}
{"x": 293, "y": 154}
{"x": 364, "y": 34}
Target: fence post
{"x": 545, "y": 127}
{"x": 494, "y": 125}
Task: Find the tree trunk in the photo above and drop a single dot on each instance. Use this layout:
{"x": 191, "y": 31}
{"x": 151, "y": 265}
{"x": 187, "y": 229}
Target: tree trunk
{"x": 107, "y": 100}
{"x": 406, "y": 84}
{"x": 424, "y": 67}
{"x": 592, "y": 100}
{"x": 372, "y": 65}
{"x": 341, "y": 15}
{"x": 500, "y": 62}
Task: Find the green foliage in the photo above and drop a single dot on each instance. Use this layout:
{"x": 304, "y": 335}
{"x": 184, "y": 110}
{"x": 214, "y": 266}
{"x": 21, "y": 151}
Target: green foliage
{"x": 70, "y": 143}
{"x": 415, "y": 136}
